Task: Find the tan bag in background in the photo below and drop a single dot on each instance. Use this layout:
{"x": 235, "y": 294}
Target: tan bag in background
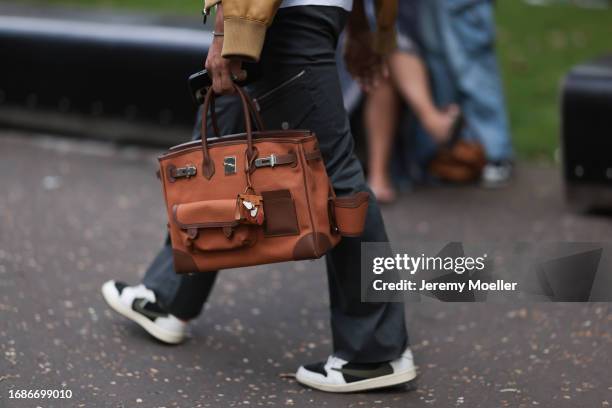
{"x": 462, "y": 163}
{"x": 252, "y": 198}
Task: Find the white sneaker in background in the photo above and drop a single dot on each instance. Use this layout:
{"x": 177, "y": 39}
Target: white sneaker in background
{"x": 496, "y": 174}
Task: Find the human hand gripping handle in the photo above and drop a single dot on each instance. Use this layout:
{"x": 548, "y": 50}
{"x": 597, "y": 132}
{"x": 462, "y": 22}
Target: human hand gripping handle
{"x": 222, "y": 71}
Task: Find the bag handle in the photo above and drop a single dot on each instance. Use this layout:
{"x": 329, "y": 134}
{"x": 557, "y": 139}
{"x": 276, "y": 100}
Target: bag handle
{"x": 248, "y": 107}
{"x": 252, "y": 109}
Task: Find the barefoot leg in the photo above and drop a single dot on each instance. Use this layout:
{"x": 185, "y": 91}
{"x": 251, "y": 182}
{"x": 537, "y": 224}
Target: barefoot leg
{"x": 380, "y": 117}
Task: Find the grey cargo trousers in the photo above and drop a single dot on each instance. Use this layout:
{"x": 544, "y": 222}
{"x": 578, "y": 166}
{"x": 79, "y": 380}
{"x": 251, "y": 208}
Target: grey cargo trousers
{"x": 299, "y": 88}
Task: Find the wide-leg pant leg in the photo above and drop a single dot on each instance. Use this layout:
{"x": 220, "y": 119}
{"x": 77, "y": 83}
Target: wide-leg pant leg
{"x": 362, "y": 331}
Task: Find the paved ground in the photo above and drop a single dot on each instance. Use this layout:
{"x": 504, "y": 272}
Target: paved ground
{"x": 76, "y": 214}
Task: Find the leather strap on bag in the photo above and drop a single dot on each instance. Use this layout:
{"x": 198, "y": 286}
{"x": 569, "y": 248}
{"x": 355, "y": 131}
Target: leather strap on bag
{"x": 314, "y": 155}
{"x": 285, "y": 159}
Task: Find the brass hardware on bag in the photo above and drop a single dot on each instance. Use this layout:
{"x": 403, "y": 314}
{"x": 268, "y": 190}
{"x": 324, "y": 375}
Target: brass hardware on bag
{"x": 187, "y": 172}
{"x": 229, "y": 165}
{"x": 269, "y": 161}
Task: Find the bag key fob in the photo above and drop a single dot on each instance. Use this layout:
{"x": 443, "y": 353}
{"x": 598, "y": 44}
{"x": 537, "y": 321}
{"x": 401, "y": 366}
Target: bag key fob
{"x": 249, "y": 209}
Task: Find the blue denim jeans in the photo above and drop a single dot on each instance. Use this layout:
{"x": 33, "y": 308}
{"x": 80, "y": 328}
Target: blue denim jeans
{"x": 458, "y": 38}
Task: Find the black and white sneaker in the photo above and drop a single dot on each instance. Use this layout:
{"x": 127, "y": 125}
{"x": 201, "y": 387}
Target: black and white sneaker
{"x": 496, "y": 174}
{"x": 138, "y": 304}
{"x": 338, "y": 375}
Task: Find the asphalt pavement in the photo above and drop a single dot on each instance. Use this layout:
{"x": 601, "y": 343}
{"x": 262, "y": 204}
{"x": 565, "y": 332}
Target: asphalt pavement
{"x": 74, "y": 214}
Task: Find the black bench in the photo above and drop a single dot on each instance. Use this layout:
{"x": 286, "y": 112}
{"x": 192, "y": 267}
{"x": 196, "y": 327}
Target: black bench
{"x": 126, "y": 81}
{"x": 586, "y": 139}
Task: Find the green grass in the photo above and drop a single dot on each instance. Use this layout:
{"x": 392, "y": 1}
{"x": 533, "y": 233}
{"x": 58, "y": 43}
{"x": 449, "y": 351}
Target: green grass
{"x": 537, "y": 46}
{"x": 166, "y": 6}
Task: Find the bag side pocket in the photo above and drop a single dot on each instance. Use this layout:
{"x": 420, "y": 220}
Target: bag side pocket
{"x": 350, "y": 213}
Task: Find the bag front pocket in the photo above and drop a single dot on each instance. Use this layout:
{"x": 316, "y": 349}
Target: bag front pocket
{"x": 281, "y": 218}
{"x": 212, "y": 226}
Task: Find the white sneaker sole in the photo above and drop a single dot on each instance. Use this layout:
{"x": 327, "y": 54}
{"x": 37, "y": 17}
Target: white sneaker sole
{"x": 111, "y": 295}
{"x": 363, "y": 385}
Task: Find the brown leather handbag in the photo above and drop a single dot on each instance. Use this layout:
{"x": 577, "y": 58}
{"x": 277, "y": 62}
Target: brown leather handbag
{"x": 462, "y": 163}
{"x": 252, "y": 198}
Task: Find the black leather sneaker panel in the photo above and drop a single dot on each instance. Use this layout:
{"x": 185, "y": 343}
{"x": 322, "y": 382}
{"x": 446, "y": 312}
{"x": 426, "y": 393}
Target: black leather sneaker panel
{"x": 149, "y": 310}
{"x": 317, "y": 368}
{"x": 353, "y": 372}
{"x": 120, "y": 286}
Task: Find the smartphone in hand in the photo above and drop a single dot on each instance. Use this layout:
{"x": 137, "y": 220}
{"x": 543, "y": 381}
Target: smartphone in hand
{"x": 198, "y": 85}
{"x": 201, "y": 81}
